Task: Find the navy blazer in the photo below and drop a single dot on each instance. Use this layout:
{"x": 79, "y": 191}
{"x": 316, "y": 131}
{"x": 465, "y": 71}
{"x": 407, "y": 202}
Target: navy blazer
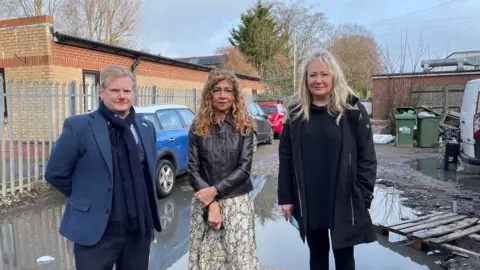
{"x": 80, "y": 166}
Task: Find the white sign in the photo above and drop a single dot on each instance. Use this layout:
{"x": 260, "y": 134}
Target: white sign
{"x": 405, "y": 130}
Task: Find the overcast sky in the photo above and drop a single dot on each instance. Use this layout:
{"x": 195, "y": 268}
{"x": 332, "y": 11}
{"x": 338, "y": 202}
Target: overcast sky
{"x": 184, "y": 28}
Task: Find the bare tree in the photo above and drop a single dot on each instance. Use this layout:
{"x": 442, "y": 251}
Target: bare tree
{"x": 236, "y": 61}
{"x": 278, "y": 77}
{"x": 306, "y": 30}
{"x": 29, "y": 8}
{"x": 403, "y": 88}
{"x": 113, "y": 22}
{"x": 358, "y": 54}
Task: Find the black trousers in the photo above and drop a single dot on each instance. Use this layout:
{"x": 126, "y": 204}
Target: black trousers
{"x": 319, "y": 244}
{"x": 121, "y": 250}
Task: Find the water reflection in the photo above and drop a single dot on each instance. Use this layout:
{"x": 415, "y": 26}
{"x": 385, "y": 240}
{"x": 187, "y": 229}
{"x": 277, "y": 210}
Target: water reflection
{"x": 172, "y": 243}
{"x": 33, "y": 234}
{"x": 429, "y": 167}
{"x": 387, "y": 208}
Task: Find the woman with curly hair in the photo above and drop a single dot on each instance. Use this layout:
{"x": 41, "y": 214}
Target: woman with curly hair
{"x": 220, "y": 151}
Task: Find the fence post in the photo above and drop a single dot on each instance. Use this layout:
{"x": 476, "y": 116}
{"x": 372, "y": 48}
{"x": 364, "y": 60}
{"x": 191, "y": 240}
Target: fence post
{"x": 445, "y": 98}
{"x": 3, "y": 155}
{"x": 71, "y": 100}
{"x": 195, "y": 100}
{"x": 154, "y": 94}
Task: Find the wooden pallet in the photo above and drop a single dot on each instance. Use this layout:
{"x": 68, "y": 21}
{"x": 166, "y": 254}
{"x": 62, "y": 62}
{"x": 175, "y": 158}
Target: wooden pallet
{"x": 437, "y": 229}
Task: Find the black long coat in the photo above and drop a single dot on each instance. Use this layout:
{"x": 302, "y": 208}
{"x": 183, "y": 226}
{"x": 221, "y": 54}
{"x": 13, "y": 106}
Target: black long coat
{"x": 352, "y": 224}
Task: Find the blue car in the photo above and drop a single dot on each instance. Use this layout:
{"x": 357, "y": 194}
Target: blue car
{"x": 172, "y": 123}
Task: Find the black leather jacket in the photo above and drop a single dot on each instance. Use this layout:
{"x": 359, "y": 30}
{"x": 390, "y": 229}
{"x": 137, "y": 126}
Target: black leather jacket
{"x": 223, "y": 160}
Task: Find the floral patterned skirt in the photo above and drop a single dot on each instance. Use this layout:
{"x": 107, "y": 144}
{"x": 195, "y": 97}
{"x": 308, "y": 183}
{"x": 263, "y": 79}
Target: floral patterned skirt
{"x": 234, "y": 246}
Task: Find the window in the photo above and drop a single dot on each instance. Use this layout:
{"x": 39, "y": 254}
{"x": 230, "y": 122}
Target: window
{"x": 282, "y": 108}
{"x": 260, "y": 110}
{"x": 91, "y": 80}
{"x": 150, "y": 117}
{"x": 269, "y": 109}
{"x": 2, "y": 78}
{"x": 187, "y": 116}
{"x": 169, "y": 120}
{"x": 254, "y": 94}
{"x": 252, "y": 109}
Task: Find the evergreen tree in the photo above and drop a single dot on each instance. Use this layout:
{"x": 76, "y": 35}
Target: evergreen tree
{"x": 259, "y": 36}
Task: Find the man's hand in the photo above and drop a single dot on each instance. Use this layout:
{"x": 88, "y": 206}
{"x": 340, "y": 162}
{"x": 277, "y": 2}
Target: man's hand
{"x": 205, "y": 196}
{"x": 287, "y": 211}
{"x": 214, "y": 216}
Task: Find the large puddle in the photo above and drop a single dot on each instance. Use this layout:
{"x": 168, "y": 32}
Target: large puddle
{"x": 429, "y": 167}
{"x": 33, "y": 233}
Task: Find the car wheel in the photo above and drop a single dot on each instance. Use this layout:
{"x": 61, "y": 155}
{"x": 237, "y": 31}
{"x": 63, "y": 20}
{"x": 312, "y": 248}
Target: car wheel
{"x": 165, "y": 178}
{"x": 167, "y": 216}
{"x": 271, "y": 136}
{"x": 255, "y": 142}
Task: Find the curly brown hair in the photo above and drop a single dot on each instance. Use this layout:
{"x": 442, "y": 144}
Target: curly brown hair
{"x": 243, "y": 123}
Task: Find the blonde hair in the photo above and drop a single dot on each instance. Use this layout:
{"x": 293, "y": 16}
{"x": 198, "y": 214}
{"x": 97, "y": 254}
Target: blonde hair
{"x": 243, "y": 123}
{"x": 302, "y": 98}
{"x": 114, "y": 72}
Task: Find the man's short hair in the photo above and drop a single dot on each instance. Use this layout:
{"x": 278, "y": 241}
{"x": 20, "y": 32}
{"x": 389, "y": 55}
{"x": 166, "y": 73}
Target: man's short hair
{"x": 114, "y": 72}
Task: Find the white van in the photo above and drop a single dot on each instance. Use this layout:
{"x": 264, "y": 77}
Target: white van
{"x": 470, "y": 124}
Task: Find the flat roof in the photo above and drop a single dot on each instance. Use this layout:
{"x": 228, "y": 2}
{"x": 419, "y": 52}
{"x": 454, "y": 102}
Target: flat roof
{"x": 156, "y": 107}
{"x": 107, "y": 48}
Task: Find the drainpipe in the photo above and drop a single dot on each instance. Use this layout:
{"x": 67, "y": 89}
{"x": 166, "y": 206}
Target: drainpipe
{"x": 134, "y": 71}
{"x": 134, "y": 67}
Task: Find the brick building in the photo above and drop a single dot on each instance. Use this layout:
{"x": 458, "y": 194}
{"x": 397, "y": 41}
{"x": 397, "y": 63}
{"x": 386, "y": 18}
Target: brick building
{"x": 31, "y": 51}
{"x": 442, "y": 89}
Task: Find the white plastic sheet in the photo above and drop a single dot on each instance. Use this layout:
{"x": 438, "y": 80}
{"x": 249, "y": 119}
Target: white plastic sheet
{"x": 45, "y": 259}
{"x": 426, "y": 114}
{"x": 383, "y": 138}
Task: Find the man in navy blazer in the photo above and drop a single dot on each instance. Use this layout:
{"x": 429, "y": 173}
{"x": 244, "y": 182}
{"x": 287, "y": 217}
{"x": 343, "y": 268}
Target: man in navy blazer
{"x": 104, "y": 162}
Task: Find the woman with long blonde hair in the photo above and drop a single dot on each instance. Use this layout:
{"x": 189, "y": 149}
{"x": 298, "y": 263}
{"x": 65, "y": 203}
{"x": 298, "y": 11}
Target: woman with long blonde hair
{"x": 220, "y": 152}
{"x": 327, "y": 164}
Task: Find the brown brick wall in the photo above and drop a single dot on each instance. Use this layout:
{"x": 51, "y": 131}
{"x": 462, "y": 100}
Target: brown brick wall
{"x": 26, "y": 21}
{"x": 400, "y": 86}
{"x": 168, "y": 83}
{"x": 171, "y": 76}
{"x": 24, "y": 45}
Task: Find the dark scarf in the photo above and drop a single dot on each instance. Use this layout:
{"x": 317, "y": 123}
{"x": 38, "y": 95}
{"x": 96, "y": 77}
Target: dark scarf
{"x": 127, "y": 172}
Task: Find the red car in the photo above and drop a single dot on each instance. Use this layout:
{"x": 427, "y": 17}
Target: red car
{"x": 276, "y": 112}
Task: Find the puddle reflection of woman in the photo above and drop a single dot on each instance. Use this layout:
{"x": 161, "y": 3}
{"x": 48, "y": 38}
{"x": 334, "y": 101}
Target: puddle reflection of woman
{"x": 222, "y": 232}
{"x": 327, "y": 164}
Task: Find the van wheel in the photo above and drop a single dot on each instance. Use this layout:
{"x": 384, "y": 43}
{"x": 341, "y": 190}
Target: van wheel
{"x": 165, "y": 178}
{"x": 255, "y": 142}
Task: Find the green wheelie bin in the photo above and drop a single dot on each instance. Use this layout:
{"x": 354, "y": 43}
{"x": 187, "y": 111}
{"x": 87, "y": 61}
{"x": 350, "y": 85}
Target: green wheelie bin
{"x": 405, "y": 124}
{"x": 427, "y": 130}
